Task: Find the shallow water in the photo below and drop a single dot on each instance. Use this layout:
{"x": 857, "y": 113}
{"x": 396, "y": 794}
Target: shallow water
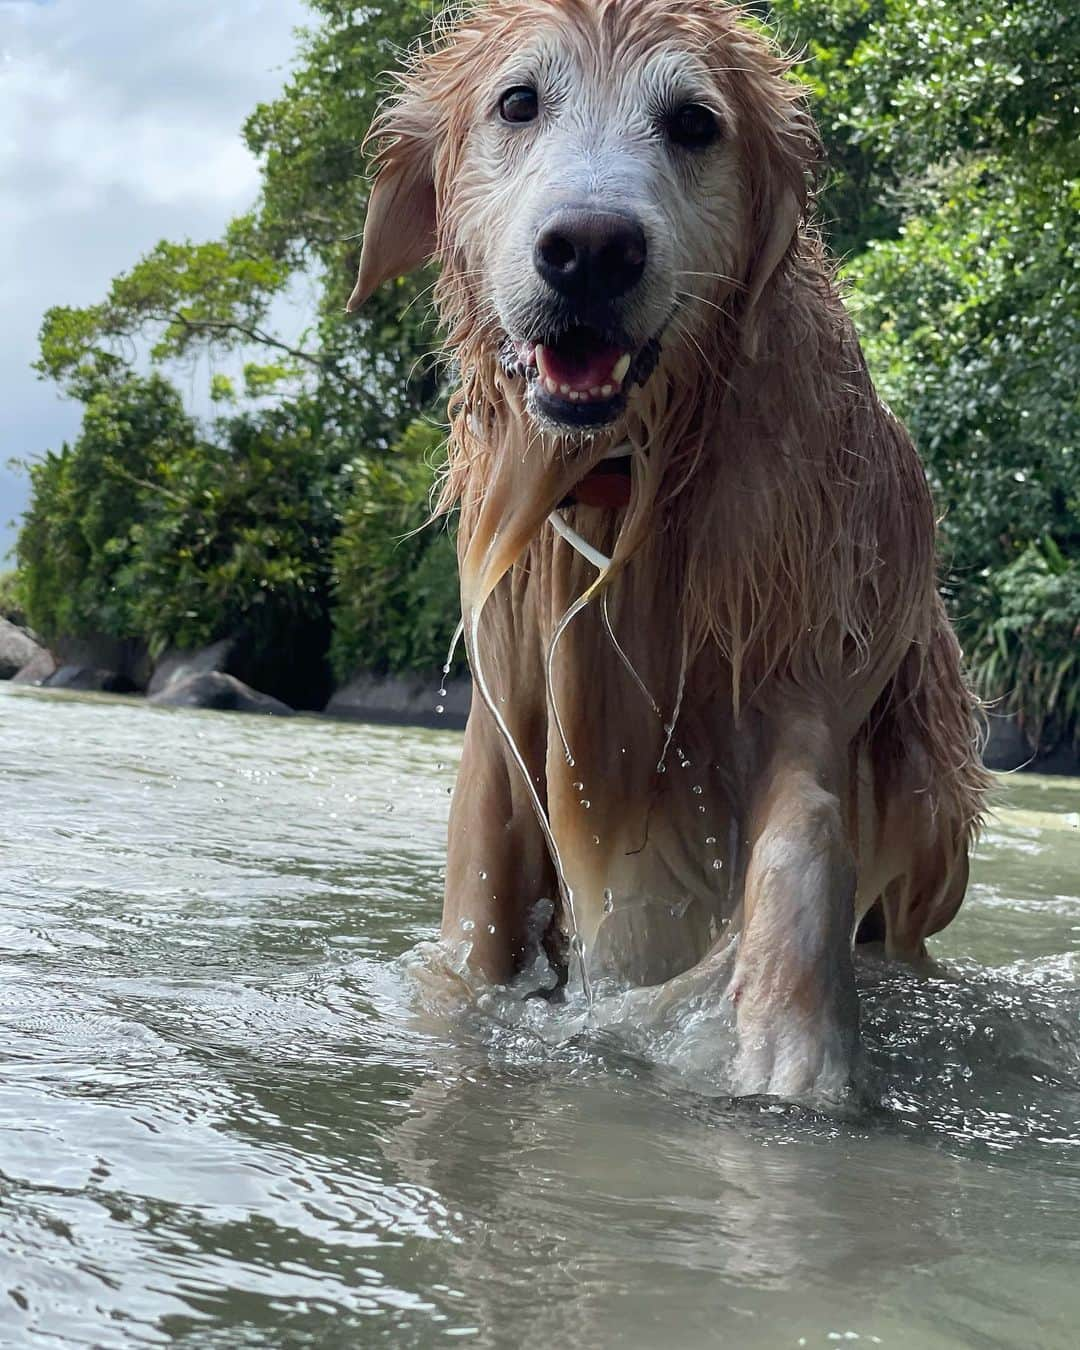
{"x": 227, "y": 1120}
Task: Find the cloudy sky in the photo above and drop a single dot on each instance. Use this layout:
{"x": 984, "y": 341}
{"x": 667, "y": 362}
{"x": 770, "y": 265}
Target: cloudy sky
{"x": 119, "y": 126}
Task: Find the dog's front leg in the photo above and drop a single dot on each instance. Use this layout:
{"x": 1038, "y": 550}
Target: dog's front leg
{"x": 498, "y": 870}
{"x": 793, "y": 986}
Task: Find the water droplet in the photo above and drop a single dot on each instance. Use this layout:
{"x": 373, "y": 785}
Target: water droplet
{"x": 446, "y": 668}
{"x": 609, "y": 901}
{"x": 596, "y": 838}
{"x": 467, "y": 925}
{"x": 585, "y": 803}
{"x": 388, "y": 808}
{"x": 696, "y": 789}
{"x": 661, "y": 768}
{"x": 439, "y": 708}
{"x": 577, "y": 945}
{"x": 491, "y": 926}
{"x": 711, "y": 839}
{"x": 701, "y": 809}
{"x": 483, "y": 876}
{"x": 717, "y": 864}
{"x": 578, "y": 786}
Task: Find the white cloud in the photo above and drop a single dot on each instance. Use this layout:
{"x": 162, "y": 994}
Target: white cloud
{"x": 119, "y": 126}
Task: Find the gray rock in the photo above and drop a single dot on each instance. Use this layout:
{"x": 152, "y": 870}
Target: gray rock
{"x": 178, "y": 663}
{"x": 37, "y": 670}
{"x": 1009, "y": 748}
{"x": 214, "y": 689}
{"x": 409, "y": 699}
{"x": 90, "y": 679}
{"x": 17, "y": 649}
{"x": 1006, "y": 745}
{"x": 125, "y": 660}
{"x": 294, "y": 671}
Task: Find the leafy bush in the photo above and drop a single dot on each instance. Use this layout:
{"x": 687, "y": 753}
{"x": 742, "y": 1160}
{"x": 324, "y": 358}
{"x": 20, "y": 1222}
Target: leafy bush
{"x": 11, "y": 603}
{"x": 146, "y": 528}
{"x": 235, "y": 534}
{"x": 953, "y": 190}
{"x": 960, "y": 118}
{"x": 395, "y": 571}
{"x": 1026, "y": 643}
{"x": 76, "y": 544}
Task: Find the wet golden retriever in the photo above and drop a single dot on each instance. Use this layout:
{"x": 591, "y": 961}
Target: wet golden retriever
{"x": 720, "y": 718}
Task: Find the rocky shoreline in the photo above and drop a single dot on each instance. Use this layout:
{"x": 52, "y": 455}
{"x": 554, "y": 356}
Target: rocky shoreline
{"x": 208, "y": 678}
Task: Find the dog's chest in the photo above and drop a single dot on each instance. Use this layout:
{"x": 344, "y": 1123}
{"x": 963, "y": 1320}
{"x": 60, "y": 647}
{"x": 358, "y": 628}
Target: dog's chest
{"x": 650, "y": 857}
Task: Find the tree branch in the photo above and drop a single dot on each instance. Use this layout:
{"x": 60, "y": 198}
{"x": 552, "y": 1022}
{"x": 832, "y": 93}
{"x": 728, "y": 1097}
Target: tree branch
{"x": 262, "y": 338}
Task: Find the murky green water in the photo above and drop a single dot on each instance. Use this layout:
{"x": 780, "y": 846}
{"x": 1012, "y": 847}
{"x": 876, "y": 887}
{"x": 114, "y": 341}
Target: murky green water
{"x": 224, "y": 1123}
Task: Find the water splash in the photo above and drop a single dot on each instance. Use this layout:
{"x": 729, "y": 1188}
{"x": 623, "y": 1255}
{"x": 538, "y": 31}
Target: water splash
{"x": 472, "y": 646}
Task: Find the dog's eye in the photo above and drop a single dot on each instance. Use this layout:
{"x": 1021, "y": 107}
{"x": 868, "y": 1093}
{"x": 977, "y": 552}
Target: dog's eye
{"x": 520, "y": 104}
{"x": 692, "y": 126}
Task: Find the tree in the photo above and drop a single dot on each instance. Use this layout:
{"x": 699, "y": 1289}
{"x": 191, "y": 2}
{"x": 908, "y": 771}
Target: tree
{"x": 86, "y": 500}
{"x": 952, "y": 194}
{"x": 234, "y": 538}
{"x": 972, "y": 313}
{"x": 395, "y": 573}
{"x": 369, "y": 375}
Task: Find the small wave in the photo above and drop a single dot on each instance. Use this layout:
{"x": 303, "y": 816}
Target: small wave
{"x": 983, "y": 1059}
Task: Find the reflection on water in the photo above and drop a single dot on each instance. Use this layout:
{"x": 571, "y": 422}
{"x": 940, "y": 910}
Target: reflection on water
{"x": 227, "y": 1120}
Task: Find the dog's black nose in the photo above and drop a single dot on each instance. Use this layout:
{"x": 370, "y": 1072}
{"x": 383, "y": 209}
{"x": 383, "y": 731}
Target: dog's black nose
{"x": 590, "y": 255}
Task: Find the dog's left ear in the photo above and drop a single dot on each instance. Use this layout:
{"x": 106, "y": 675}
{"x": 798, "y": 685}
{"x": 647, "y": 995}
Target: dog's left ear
{"x": 777, "y": 237}
{"x": 785, "y": 156}
{"x": 400, "y": 227}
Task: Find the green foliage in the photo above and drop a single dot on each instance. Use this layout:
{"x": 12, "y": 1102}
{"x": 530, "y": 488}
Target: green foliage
{"x": 395, "y": 575}
{"x": 368, "y": 374}
{"x": 938, "y": 80}
{"x": 972, "y": 313}
{"x": 1026, "y": 642}
{"x": 858, "y": 201}
{"x": 235, "y": 534}
{"x": 11, "y": 601}
{"x": 179, "y": 295}
{"x": 146, "y": 528}
{"x": 952, "y": 191}
{"x": 974, "y": 317}
{"x": 86, "y": 501}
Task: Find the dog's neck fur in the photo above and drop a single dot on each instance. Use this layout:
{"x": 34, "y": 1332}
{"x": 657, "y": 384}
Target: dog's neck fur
{"x": 774, "y": 490}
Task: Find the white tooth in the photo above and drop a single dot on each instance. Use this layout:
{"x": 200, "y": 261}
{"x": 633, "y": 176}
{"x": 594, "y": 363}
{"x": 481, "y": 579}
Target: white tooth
{"x": 564, "y": 389}
{"x": 574, "y": 395}
{"x": 551, "y": 386}
{"x": 607, "y": 391}
{"x": 622, "y": 365}
{"x": 538, "y": 352}
{"x": 594, "y": 392}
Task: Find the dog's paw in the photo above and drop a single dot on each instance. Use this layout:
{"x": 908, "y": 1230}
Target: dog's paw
{"x": 793, "y": 1047}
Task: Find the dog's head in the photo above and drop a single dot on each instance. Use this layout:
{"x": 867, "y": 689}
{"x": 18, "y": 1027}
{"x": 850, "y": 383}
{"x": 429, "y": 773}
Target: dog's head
{"x": 609, "y": 187}
{"x": 600, "y": 179}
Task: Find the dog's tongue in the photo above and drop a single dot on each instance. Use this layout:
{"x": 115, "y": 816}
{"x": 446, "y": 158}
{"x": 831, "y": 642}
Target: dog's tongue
{"x": 581, "y": 362}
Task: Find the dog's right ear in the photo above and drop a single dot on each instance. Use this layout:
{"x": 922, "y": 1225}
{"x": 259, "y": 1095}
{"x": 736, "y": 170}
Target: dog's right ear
{"x": 400, "y": 230}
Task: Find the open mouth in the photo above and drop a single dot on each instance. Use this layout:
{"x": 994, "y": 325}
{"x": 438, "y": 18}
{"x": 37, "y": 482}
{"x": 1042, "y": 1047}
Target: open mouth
{"x": 578, "y": 378}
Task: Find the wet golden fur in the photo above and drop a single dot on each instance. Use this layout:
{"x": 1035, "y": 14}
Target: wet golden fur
{"x": 778, "y": 548}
